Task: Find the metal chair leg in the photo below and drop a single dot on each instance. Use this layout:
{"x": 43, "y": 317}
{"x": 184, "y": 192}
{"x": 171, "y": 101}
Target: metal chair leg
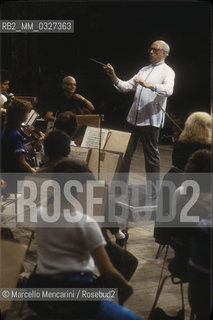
{"x": 160, "y": 249}
{"x": 158, "y": 294}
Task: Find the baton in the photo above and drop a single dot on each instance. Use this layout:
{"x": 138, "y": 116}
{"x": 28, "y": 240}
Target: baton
{"x": 102, "y": 64}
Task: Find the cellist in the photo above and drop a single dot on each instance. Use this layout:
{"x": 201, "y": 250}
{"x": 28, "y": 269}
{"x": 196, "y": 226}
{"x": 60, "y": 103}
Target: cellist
{"x": 68, "y": 100}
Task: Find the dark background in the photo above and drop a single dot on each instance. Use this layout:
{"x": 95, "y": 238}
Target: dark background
{"x": 116, "y": 32}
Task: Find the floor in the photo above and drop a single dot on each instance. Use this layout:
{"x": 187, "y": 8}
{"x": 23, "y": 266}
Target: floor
{"x": 141, "y": 243}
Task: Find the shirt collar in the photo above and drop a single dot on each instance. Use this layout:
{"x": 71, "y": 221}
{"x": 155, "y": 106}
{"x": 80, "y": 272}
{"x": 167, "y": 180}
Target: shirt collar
{"x": 159, "y": 63}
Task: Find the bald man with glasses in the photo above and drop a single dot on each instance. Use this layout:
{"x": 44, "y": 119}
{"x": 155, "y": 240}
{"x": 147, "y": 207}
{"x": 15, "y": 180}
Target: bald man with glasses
{"x": 152, "y": 85}
{"x": 69, "y": 100}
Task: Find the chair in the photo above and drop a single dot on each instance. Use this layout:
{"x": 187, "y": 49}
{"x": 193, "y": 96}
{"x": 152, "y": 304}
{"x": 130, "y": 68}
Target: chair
{"x": 176, "y": 278}
{"x": 177, "y": 268}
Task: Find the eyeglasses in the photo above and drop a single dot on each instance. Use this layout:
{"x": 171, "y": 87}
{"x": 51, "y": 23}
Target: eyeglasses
{"x": 155, "y": 50}
{"x": 70, "y": 84}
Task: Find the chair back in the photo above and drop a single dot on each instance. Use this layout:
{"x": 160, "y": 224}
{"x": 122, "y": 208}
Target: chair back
{"x": 163, "y": 234}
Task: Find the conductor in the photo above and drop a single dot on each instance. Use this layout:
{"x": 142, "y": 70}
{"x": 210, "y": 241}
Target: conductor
{"x": 152, "y": 85}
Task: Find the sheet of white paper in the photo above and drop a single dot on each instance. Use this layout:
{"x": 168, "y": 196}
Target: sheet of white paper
{"x": 93, "y": 136}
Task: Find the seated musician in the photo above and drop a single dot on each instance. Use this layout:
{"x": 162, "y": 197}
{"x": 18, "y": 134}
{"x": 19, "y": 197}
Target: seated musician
{"x": 56, "y": 147}
{"x": 5, "y": 85}
{"x": 70, "y": 252}
{"x": 67, "y": 122}
{"x": 5, "y": 96}
{"x": 13, "y": 153}
{"x": 69, "y": 101}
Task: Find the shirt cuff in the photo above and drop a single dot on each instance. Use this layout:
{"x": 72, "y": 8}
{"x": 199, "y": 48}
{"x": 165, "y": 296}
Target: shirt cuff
{"x": 116, "y": 83}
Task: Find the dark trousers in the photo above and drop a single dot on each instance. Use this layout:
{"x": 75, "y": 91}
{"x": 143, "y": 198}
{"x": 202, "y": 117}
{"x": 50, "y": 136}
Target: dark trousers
{"x": 149, "y": 136}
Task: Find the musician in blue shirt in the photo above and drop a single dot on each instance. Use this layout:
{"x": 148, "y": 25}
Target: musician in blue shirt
{"x": 13, "y": 151}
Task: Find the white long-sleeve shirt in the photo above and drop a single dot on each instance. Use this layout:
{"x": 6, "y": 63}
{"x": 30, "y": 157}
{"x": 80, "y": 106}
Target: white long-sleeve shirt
{"x": 146, "y": 101}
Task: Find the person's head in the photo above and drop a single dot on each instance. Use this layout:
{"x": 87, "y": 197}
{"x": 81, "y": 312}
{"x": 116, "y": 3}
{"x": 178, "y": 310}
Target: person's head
{"x": 17, "y": 112}
{"x": 67, "y": 122}
{"x": 69, "y": 85}
{"x": 5, "y": 80}
{"x": 198, "y": 168}
{"x": 158, "y": 51}
{"x": 77, "y": 171}
{"x": 199, "y": 161}
{"x": 57, "y": 144}
{"x": 197, "y": 128}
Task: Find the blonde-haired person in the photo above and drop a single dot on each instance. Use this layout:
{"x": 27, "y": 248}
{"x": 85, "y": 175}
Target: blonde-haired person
{"x": 195, "y": 136}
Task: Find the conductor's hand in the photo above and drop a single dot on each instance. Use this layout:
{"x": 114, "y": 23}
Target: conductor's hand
{"x": 110, "y": 72}
{"x": 141, "y": 82}
{"x": 109, "y": 69}
{"x": 144, "y": 84}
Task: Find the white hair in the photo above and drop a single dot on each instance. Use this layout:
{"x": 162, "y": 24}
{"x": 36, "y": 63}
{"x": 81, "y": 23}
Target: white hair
{"x": 165, "y": 47}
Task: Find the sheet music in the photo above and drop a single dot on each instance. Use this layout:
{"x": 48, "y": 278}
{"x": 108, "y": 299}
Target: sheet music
{"x": 92, "y": 138}
{"x": 33, "y": 115}
{"x": 78, "y": 153}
